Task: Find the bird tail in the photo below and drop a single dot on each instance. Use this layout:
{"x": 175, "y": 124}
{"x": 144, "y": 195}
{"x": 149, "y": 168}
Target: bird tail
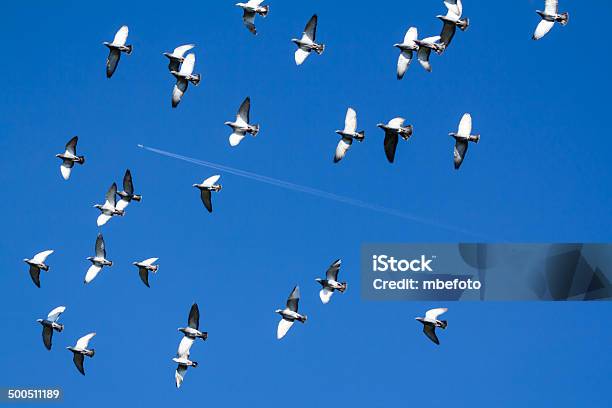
{"x": 564, "y": 18}
{"x": 360, "y": 136}
{"x": 204, "y": 335}
{"x": 154, "y": 268}
{"x": 196, "y": 79}
{"x": 303, "y": 319}
{"x": 465, "y": 23}
{"x": 264, "y": 10}
{"x": 475, "y": 138}
{"x": 137, "y": 197}
{"x": 255, "y": 130}
{"x": 81, "y": 159}
{"x": 443, "y": 324}
{"x": 319, "y": 50}
{"x": 110, "y": 263}
{"x": 59, "y": 327}
{"x": 129, "y": 49}
{"x": 343, "y": 286}
{"x": 92, "y": 353}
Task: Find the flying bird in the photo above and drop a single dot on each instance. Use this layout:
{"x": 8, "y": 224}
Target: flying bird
{"x": 451, "y": 21}
{"x": 249, "y": 10}
{"x": 192, "y": 331}
{"x": 183, "y": 77}
{"x": 430, "y": 322}
{"x": 36, "y": 264}
{"x": 330, "y": 283}
{"x": 462, "y": 138}
{"x": 241, "y": 126}
{"x": 177, "y": 56}
{"x": 407, "y": 48}
{"x": 69, "y": 157}
{"x": 127, "y": 195}
{"x": 426, "y": 45}
{"x": 289, "y": 314}
{"x": 50, "y": 323}
{"x": 99, "y": 261}
{"x": 116, "y": 48}
{"x": 549, "y": 16}
{"x": 348, "y": 134}
{"x": 206, "y": 189}
{"x": 184, "y": 363}
{"x": 80, "y": 350}
{"x": 393, "y": 129}
{"x": 109, "y": 209}
{"x": 307, "y": 43}
{"x": 144, "y": 267}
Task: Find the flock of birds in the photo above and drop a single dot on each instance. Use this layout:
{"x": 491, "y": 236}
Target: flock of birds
{"x": 181, "y": 66}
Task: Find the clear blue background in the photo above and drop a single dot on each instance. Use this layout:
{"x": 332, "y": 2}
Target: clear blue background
{"x": 540, "y": 173}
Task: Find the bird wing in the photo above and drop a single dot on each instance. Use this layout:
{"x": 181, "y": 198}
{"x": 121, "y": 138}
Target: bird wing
{"x": 551, "y": 7}
{"x": 179, "y": 374}
{"x": 103, "y": 219}
{"x": 461, "y": 147}
{"x": 182, "y": 49}
{"x": 121, "y": 205}
{"x": 350, "y": 121}
{"x": 248, "y": 18}
{"x": 100, "y": 247}
{"x": 423, "y": 56}
{"x": 254, "y": 3}
{"x": 71, "y": 146}
{"x": 325, "y": 295}
{"x": 391, "y": 139}
{"x": 243, "y": 116}
{"x": 92, "y": 272}
{"x": 35, "y": 275}
{"x": 188, "y": 64}
{"x": 448, "y": 32}
{"x": 301, "y": 55}
{"x": 144, "y": 276}
{"x": 83, "y": 342}
{"x": 434, "y": 313}
{"x": 310, "y": 31}
{"x": 403, "y": 61}
{"x": 184, "y": 346}
{"x": 47, "y": 334}
{"x": 396, "y": 122}
{"x": 294, "y": 299}
{"x": 78, "y": 359}
{"x": 283, "y": 327}
{"x": 111, "y": 62}
{"x": 235, "y": 138}
{"x": 542, "y": 29}
{"x": 465, "y": 125}
{"x": 111, "y": 197}
{"x": 66, "y": 169}
{"x": 431, "y": 40}
{"x": 149, "y": 261}
{"x": 343, "y": 145}
{"x": 430, "y": 331}
{"x": 178, "y": 91}
{"x": 206, "y": 197}
{"x": 194, "y": 317}
{"x": 411, "y": 35}
{"x": 332, "y": 271}
{"x": 42, "y": 256}
{"x": 121, "y": 36}
{"x": 209, "y": 182}
{"x": 128, "y": 185}
{"x": 54, "y": 315}
{"x": 454, "y": 7}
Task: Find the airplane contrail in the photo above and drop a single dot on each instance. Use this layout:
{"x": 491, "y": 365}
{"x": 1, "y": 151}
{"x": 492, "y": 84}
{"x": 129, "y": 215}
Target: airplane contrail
{"x": 308, "y": 190}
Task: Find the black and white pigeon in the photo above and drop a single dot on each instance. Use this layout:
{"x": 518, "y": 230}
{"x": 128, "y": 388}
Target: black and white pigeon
{"x": 99, "y": 261}
{"x": 177, "y": 56}
{"x": 80, "y": 350}
{"x": 183, "y": 77}
{"x": 451, "y": 21}
{"x": 116, "y": 48}
{"x": 192, "y": 331}
{"x": 462, "y": 138}
{"x": 249, "y": 10}
{"x": 426, "y": 45}
{"x": 109, "y": 208}
{"x": 289, "y": 314}
{"x": 36, "y": 264}
{"x": 144, "y": 267}
{"x": 330, "y": 283}
{"x": 430, "y": 322}
{"x": 407, "y": 49}
{"x": 549, "y": 16}
{"x": 308, "y": 43}
{"x": 206, "y": 189}
{"x": 127, "y": 195}
{"x": 393, "y": 129}
{"x": 183, "y": 363}
{"x": 69, "y": 157}
{"x": 348, "y": 134}
{"x": 50, "y": 323}
{"x": 242, "y": 126}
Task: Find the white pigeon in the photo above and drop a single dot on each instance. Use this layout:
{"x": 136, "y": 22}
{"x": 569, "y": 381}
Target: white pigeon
{"x": 249, "y": 10}
{"x": 36, "y": 264}
{"x": 289, "y": 314}
{"x": 183, "y": 77}
{"x": 407, "y": 49}
{"x": 242, "y": 126}
{"x": 307, "y": 43}
{"x": 183, "y": 362}
{"x": 109, "y": 208}
{"x": 462, "y": 137}
{"x": 69, "y": 157}
{"x": 451, "y": 21}
{"x": 549, "y": 16}
{"x": 348, "y": 134}
{"x": 430, "y": 322}
{"x": 393, "y": 129}
{"x": 50, "y": 323}
{"x": 330, "y": 283}
{"x": 426, "y": 45}
{"x": 177, "y": 56}
{"x": 192, "y": 331}
{"x": 99, "y": 261}
{"x": 127, "y": 195}
{"x": 80, "y": 350}
{"x": 144, "y": 267}
{"x": 115, "y": 49}
{"x": 206, "y": 189}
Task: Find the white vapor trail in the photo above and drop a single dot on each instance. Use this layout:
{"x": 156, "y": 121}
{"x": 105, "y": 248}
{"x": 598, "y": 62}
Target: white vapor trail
{"x": 306, "y": 189}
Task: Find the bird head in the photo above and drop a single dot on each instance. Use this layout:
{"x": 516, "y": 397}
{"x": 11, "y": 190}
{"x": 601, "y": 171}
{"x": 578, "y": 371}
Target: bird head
{"x": 90, "y": 258}
{"x": 39, "y": 320}
{"x": 279, "y": 311}
{"x": 381, "y": 125}
{"x": 98, "y": 206}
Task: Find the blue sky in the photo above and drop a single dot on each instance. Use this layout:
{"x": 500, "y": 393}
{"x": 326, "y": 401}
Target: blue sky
{"x": 541, "y": 173}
